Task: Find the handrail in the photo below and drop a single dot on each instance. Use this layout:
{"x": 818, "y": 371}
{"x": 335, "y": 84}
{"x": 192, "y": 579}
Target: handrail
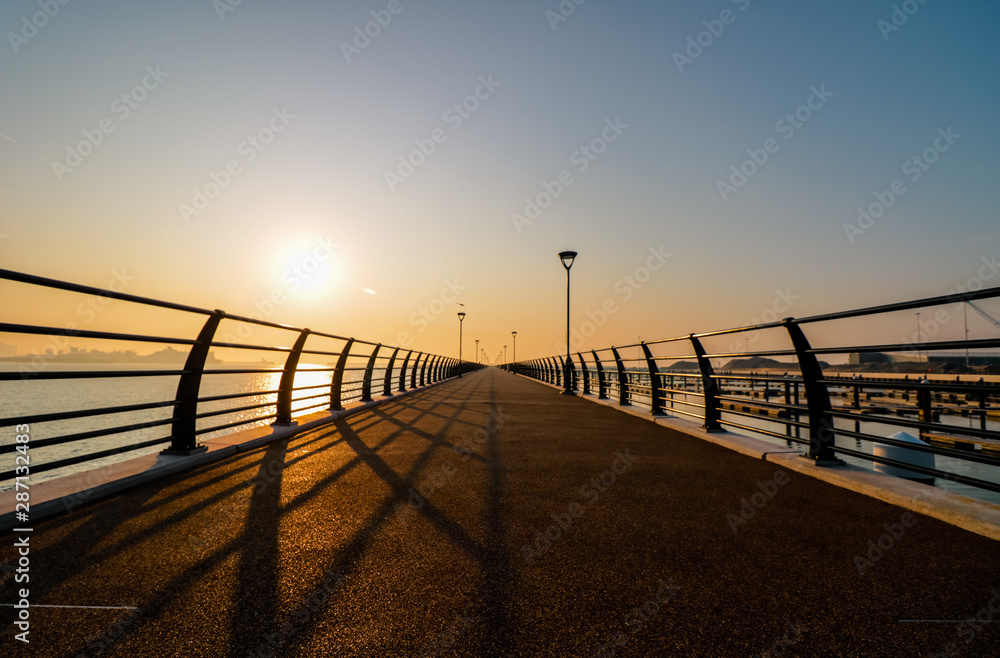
{"x": 798, "y": 406}
{"x": 99, "y": 431}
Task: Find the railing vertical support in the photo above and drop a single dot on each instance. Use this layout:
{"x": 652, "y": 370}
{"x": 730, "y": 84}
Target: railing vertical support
{"x": 366, "y": 385}
{"x": 602, "y": 382}
{"x": 821, "y": 436}
{"x": 183, "y": 440}
{"x": 709, "y": 386}
{"x": 413, "y": 370}
{"x": 655, "y": 385}
{"x": 560, "y": 371}
{"x": 423, "y": 371}
{"x": 387, "y": 382}
{"x": 402, "y": 372}
{"x": 337, "y": 385}
{"x": 285, "y": 392}
{"x": 584, "y": 374}
{"x": 623, "y": 396}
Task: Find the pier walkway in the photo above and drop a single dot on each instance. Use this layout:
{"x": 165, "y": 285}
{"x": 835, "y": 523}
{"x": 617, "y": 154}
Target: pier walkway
{"x": 491, "y": 516}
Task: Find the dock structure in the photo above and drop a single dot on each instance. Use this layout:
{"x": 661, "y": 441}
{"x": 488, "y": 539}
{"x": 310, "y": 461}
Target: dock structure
{"x": 488, "y": 515}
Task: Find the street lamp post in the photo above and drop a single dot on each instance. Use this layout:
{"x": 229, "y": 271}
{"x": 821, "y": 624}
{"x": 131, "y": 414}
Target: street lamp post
{"x": 477, "y": 352}
{"x": 461, "y": 318}
{"x": 567, "y": 258}
{"x": 514, "y": 334}
{"x": 505, "y": 354}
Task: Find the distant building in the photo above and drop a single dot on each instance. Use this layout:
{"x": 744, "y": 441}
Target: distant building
{"x": 7, "y": 351}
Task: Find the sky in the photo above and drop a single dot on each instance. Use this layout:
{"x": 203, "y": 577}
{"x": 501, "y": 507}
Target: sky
{"x": 363, "y": 168}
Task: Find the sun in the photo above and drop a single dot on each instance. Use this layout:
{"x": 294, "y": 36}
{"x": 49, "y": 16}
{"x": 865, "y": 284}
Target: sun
{"x": 307, "y": 267}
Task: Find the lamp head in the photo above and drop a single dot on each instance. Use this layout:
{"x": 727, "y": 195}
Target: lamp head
{"x": 567, "y": 258}
{"x": 513, "y": 333}
{"x": 461, "y": 316}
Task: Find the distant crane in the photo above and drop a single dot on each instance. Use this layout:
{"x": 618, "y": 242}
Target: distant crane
{"x": 982, "y": 312}
{"x": 992, "y": 320}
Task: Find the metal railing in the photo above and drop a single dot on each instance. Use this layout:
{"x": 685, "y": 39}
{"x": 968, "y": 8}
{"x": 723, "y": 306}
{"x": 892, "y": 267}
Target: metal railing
{"x": 362, "y": 370}
{"x": 798, "y": 406}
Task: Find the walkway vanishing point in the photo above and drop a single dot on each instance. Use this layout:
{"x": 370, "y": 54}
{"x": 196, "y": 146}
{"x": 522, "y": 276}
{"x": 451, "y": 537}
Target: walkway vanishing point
{"x": 490, "y": 516}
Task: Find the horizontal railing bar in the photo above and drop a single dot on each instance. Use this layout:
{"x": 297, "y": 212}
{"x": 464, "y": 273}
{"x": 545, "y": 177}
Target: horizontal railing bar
{"x": 223, "y": 412}
{"x": 70, "y": 461}
{"x": 901, "y": 421}
{"x": 83, "y": 413}
{"x": 748, "y": 428}
{"x": 90, "y": 434}
{"x": 32, "y": 279}
{"x": 978, "y": 343}
{"x": 954, "y": 298}
{"x": 777, "y": 421}
{"x": 961, "y": 455}
{"x": 39, "y": 330}
{"x": 89, "y": 374}
{"x": 952, "y": 477}
{"x": 248, "y": 421}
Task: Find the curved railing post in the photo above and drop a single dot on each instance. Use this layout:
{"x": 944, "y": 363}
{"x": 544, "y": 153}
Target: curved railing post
{"x": 183, "y": 440}
{"x": 337, "y": 385}
{"x": 387, "y": 382}
{"x": 413, "y": 370}
{"x": 821, "y": 436}
{"x": 285, "y": 392}
{"x": 623, "y": 396}
{"x": 602, "y": 384}
{"x": 432, "y": 370}
{"x": 402, "y": 372}
{"x": 655, "y": 385}
{"x": 561, "y": 372}
{"x": 366, "y": 386}
{"x": 709, "y": 385}
{"x": 584, "y": 374}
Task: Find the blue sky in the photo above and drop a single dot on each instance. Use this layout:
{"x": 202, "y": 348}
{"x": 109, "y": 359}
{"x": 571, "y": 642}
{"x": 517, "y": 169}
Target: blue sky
{"x": 279, "y": 70}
